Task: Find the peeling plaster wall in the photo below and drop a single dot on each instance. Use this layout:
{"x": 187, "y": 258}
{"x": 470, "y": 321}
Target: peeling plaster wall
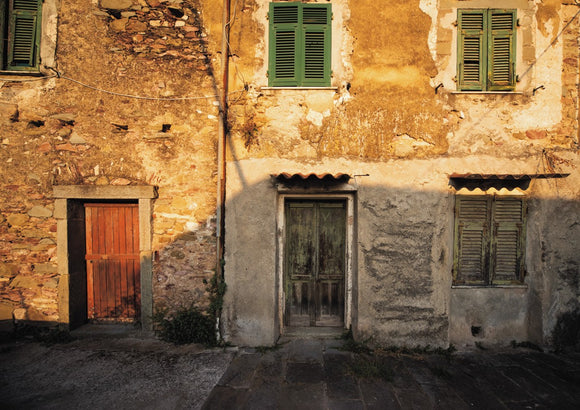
{"x": 383, "y": 118}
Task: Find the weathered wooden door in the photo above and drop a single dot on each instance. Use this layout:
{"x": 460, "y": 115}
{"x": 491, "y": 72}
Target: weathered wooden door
{"x": 112, "y": 255}
{"x": 315, "y": 262}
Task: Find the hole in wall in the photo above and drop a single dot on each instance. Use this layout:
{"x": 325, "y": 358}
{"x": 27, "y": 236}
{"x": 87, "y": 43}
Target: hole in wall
{"x": 165, "y": 127}
{"x": 476, "y": 331}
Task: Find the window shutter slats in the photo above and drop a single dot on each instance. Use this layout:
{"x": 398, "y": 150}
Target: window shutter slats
{"x": 285, "y": 14}
{"x": 285, "y": 55}
{"x": 23, "y": 35}
{"x": 314, "y": 52}
{"x": 508, "y": 218}
{"x": 315, "y": 15}
{"x": 502, "y": 50}
{"x": 486, "y": 49}
{"x": 471, "y": 49}
{"x": 299, "y": 45}
{"x": 471, "y": 229}
{"x": 489, "y": 240}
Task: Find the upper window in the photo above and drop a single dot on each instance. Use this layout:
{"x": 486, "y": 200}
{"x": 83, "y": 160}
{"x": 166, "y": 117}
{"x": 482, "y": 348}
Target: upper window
{"x": 299, "y": 45}
{"x": 487, "y": 49}
{"x": 20, "y": 22}
{"x": 489, "y": 240}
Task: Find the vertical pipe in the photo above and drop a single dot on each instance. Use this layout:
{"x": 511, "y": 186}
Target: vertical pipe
{"x": 222, "y": 133}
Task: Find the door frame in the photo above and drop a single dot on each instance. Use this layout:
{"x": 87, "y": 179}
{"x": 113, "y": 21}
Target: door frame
{"x": 144, "y": 195}
{"x": 349, "y": 198}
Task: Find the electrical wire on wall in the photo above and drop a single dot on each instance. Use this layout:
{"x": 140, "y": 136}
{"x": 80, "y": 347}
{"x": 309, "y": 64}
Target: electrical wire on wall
{"x": 59, "y": 75}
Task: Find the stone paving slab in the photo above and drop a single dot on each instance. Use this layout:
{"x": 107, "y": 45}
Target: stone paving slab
{"x": 316, "y": 374}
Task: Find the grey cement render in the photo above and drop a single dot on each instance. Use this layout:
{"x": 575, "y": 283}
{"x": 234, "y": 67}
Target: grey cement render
{"x": 402, "y": 289}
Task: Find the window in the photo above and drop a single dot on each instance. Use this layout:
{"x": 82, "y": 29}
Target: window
{"x": 299, "y": 45}
{"x": 487, "y": 49}
{"x": 489, "y": 240}
{"x": 20, "y": 22}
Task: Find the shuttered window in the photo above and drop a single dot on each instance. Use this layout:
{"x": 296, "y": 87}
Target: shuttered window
{"x": 489, "y": 240}
{"x": 20, "y": 30}
{"x": 487, "y": 49}
{"x": 299, "y": 45}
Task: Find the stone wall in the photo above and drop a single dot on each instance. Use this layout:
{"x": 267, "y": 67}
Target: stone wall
{"x": 130, "y": 99}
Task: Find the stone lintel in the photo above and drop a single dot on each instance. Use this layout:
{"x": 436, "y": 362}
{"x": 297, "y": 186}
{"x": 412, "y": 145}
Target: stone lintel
{"x": 104, "y": 192}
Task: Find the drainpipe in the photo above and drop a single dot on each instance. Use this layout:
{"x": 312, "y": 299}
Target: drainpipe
{"x": 222, "y": 133}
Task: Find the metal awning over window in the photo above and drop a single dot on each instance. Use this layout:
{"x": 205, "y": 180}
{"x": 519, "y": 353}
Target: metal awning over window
{"x": 311, "y": 177}
{"x": 497, "y": 181}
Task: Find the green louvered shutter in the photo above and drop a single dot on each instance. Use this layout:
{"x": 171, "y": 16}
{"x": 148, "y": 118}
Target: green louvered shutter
{"x": 317, "y": 31}
{"x": 284, "y": 43}
{"x": 472, "y": 47}
{"x": 508, "y": 218}
{"x": 501, "y": 49}
{"x": 471, "y": 240}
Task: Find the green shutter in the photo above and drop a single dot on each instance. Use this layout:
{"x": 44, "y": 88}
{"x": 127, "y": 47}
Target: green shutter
{"x": 24, "y": 35}
{"x": 299, "y": 45}
{"x": 508, "y": 240}
{"x": 317, "y": 32}
{"x": 501, "y": 61}
{"x": 471, "y": 240}
{"x": 471, "y": 52}
{"x": 284, "y": 43}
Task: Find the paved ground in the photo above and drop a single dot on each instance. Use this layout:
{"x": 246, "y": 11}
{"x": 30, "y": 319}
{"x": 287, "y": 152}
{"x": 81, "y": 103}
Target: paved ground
{"x": 315, "y": 374}
{"x": 131, "y": 372}
{"x": 108, "y": 373}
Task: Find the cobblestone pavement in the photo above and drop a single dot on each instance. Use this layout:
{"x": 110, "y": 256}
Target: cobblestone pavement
{"x": 316, "y": 374}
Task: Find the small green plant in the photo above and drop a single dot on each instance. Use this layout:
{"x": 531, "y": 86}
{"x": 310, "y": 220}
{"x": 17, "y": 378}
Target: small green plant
{"x": 566, "y": 333}
{"x": 350, "y": 345}
{"x": 216, "y": 289}
{"x": 186, "y": 325}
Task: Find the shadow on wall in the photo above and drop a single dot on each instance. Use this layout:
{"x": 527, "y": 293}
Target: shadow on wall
{"x": 403, "y": 261}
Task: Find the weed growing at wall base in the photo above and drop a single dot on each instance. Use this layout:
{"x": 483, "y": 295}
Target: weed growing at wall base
{"x": 186, "y": 325}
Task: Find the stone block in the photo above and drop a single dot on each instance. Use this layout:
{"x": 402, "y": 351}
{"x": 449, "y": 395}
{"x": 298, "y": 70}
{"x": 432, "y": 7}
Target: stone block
{"x": 17, "y": 219}
{"x": 40, "y": 212}
{"x": 27, "y": 282}
{"x": 8, "y": 111}
{"x": 8, "y": 269}
{"x": 6, "y": 311}
{"x": 116, "y": 4}
{"x": 45, "y": 268}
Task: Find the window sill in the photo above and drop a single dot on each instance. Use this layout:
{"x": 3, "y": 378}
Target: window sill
{"x": 522, "y": 286}
{"x": 488, "y": 92}
{"x": 20, "y": 75}
{"x": 299, "y": 88}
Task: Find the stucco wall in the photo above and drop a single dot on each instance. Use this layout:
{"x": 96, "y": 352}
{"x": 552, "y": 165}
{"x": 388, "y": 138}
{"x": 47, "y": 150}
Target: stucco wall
{"x": 384, "y": 118}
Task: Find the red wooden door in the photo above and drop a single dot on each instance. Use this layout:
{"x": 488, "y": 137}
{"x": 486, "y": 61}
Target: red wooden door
{"x": 113, "y": 269}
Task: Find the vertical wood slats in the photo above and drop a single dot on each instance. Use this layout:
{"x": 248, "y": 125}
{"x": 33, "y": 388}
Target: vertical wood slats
{"x": 315, "y": 263}
{"x": 489, "y": 240}
{"x": 299, "y": 44}
{"x": 112, "y": 254}
{"x": 486, "y": 49}
{"x": 23, "y": 38}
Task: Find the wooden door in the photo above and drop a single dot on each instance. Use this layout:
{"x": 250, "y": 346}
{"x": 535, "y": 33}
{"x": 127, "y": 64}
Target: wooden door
{"x": 112, "y": 256}
{"x": 315, "y": 263}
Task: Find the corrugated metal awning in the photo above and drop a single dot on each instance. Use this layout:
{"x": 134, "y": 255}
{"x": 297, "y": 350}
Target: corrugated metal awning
{"x": 507, "y": 176}
{"x": 313, "y": 177}
{"x": 497, "y": 181}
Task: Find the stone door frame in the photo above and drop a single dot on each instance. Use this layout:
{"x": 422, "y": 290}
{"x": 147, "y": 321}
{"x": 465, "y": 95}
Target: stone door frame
{"x": 144, "y": 195}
